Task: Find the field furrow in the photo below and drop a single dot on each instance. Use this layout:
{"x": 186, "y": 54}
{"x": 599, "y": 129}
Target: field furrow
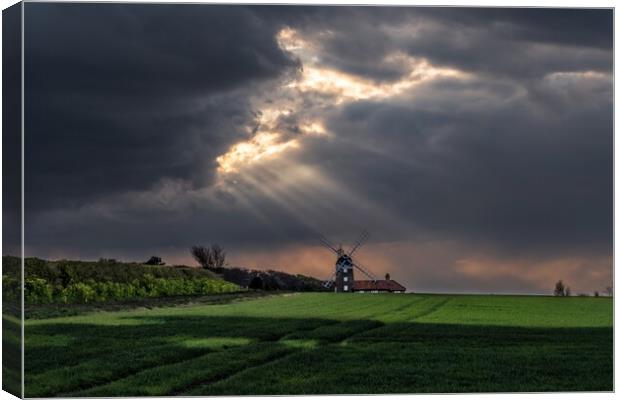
{"x": 433, "y": 304}
{"x": 104, "y": 369}
{"x": 172, "y": 378}
{"x": 197, "y": 387}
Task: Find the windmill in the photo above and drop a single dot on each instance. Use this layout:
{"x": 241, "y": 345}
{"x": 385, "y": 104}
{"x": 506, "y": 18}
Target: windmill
{"x": 345, "y": 264}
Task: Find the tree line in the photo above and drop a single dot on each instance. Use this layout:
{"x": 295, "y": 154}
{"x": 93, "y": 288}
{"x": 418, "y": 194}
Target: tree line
{"x": 213, "y": 258}
{"x": 562, "y": 290}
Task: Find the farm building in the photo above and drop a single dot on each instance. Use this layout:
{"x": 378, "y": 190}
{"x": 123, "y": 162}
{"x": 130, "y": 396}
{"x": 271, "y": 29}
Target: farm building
{"x": 345, "y": 282}
{"x": 380, "y": 286}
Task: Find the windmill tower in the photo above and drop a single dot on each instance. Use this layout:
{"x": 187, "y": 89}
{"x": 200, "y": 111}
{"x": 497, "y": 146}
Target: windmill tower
{"x": 342, "y": 280}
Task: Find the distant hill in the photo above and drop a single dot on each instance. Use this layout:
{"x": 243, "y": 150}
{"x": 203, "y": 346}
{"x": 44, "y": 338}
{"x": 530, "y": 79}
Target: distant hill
{"x": 71, "y": 275}
{"x": 269, "y": 279}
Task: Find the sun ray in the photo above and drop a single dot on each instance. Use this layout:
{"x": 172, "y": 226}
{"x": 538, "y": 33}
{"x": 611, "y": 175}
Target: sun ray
{"x": 314, "y": 91}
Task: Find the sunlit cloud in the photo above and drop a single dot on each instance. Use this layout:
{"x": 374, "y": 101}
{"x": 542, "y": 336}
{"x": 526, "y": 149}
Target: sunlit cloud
{"x": 261, "y": 146}
{"x": 344, "y": 87}
{"x": 574, "y": 75}
{"x": 322, "y": 88}
{"x": 313, "y": 127}
{"x": 291, "y": 40}
{"x": 316, "y": 77}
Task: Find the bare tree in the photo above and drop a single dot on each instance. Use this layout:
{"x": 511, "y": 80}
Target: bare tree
{"x": 203, "y": 256}
{"x": 609, "y": 290}
{"x": 567, "y": 291}
{"x": 219, "y": 255}
{"x": 212, "y": 258}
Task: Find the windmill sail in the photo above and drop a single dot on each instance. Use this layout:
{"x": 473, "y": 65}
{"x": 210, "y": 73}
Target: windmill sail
{"x": 365, "y": 271}
{"x": 330, "y": 282}
{"x": 327, "y": 244}
{"x": 359, "y": 242}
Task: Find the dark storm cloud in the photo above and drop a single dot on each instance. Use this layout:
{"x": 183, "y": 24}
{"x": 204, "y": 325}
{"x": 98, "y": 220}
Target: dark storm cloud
{"x": 149, "y": 49}
{"x": 515, "y": 43}
{"x": 534, "y": 174}
{"x": 119, "y": 96}
{"x": 572, "y": 27}
{"x": 11, "y": 130}
{"x": 514, "y": 174}
{"x": 129, "y": 106}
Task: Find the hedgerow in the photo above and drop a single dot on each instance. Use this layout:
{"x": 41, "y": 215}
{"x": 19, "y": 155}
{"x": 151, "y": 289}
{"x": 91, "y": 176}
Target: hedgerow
{"x": 72, "y": 282}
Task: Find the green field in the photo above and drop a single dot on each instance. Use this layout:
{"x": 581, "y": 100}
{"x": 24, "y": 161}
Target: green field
{"x": 327, "y": 343}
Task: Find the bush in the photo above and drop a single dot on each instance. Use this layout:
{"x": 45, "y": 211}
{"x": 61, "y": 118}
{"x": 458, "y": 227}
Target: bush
{"x": 79, "y": 293}
{"x": 37, "y": 290}
{"x": 10, "y": 288}
{"x": 40, "y": 292}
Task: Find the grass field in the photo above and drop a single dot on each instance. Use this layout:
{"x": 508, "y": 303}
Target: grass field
{"x": 327, "y": 343}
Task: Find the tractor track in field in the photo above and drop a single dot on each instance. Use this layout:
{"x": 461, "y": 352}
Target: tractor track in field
{"x": 406, "y": 306}
{"x": 128, "y": 372}
{"x": 217, "y": 377}
{"x": 431, "y": 309}
{"x": 227, "y": 374}
{"x": 270, "y": 360}
{"x": 279, "y": 356}
{"x": 78, "y": 360}
{"x": 266, "y": 361}
{"x": 295, "y": 352}
{"x": 400, "y": 308}
{"x": 89, "y": 385}
{"x": 84, "y": 387}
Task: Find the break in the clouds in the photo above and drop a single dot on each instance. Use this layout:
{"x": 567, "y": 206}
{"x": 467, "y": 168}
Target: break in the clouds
{"x": 474, "y": 144}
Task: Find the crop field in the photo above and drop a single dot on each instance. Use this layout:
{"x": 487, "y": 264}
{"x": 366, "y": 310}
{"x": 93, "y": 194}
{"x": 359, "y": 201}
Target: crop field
{"x": 317, "y": 343}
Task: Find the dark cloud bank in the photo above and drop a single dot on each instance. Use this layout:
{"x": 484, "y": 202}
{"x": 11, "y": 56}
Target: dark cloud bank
{"x": 515, "y": 162}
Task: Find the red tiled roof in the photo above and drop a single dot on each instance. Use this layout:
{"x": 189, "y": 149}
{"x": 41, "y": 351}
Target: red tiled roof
{"x": 389, "y": 285}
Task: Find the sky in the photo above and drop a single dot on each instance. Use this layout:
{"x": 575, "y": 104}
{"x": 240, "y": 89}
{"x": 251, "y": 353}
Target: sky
{"x": 475, "y": 145}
